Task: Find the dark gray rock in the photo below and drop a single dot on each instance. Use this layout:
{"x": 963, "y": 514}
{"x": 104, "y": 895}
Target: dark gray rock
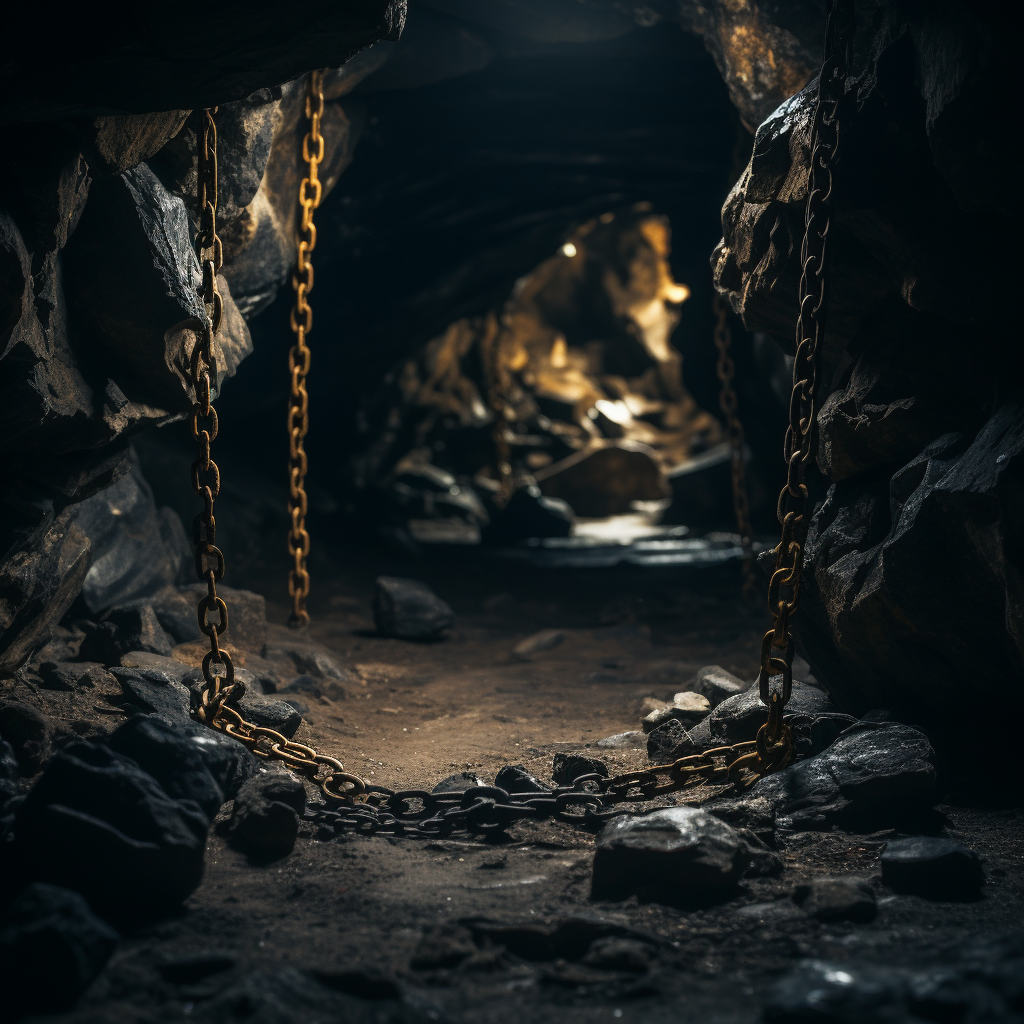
{"x": 52, "y": 946}
{"x": 28, "y": 731}
{"x": 872, "y": 775}
{"x": 247, "y": 615}
{"x": 309, "y": 659}
{"x": 156, "y": 665}
{"x": 840, "y": 898}
{"x": 676, "y": 855}
{"x": 127, "y": 628}
{"x": 715, "y": 683}
{"x": 136, "y": 548}
{"x": 153, "y": 692}
{"x": 409, "y": 609}
{"x": 529, "y": 514}
{"x": 620, "y": 954}
{"x": 268, "y": 712}
{"x": 934, "y": 867}
{"x": 687, "y": 708}
{"x": 738, "y": 718}
{"x": 567, "y": 768}
{"x": 302, "y": 684}
{"x": 136, "y": 851}
{"x": 176, "y": 610}
{"x": 69, "y": 675}
{"x": 458, "y": 783}
{"x": 265, "y": 819}
{"x": 172, "y": 758}
{"x": 664, "y": 742}
{"x": 514, "y": 778}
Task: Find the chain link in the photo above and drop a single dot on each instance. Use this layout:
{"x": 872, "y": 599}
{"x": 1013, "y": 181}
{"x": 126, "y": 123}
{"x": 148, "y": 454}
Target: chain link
{"x": 801, "y": 434}
{"x": 727, "y": 403}
{"x": 310, "y": 193}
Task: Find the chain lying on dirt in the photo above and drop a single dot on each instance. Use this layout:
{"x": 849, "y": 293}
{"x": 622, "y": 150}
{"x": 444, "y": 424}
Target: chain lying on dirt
{"x": 726, "y": 369}
{"x": 310, "y": 193}
{"x": 801, "y": 434}
{"x": 352, "y": 803}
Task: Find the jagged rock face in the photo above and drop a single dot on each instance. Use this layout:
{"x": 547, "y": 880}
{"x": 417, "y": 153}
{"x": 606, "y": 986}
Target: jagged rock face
{"x": 913, "y": 578}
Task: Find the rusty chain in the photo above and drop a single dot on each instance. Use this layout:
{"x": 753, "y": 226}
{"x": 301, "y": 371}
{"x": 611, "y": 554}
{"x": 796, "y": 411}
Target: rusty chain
{"x": 726, "y": 369}
{"x": 354, "y": 804}
{"x": 801, "y": 434}
{"x": 310, "y": 193}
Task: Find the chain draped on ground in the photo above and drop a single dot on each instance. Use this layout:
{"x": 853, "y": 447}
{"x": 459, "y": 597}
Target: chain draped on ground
{"x": 352, "y": 804}
{"x": 310, "y": 193}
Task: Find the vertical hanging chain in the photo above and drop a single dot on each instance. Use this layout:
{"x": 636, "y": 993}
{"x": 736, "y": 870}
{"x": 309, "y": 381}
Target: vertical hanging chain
{"x": 801, "y": 434}
{"x": 218, "y": 671}
{"x": 727, "y": 403}
{"x": 310, "y": 192}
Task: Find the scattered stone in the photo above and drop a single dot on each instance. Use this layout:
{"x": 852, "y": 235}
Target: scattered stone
{"x": 247, "y": 616}
{"x": 458, "y": 783}
{"x": 718, "y": 685}
{"x": 52, "y": 946}
{"x": 302, "y": 684}
{"x": 297, "y": 706}
{"x": 28, "y": 731}
{"x": 410, "y": 610}
{"x": 309, "y": 659}
{"x": 663, "y": 741}
{"x": 933, "y": 867}
{"x": 269, "y": 712}
{"x": 194, "y": 967}
{"x": 675, "y": 855}
{"x": 818, "y": 990}
{"x": 137, "y": 851}
{"x": 872, "y": 776}
{"x": 265, "y": 819}
{"x": 567, "y": 768}
{"x": 529, "y": 514}
{"x": 171, "y": 757}
{"x": 176, "y": 610}
{"x": 545, "y": 640}
{"x": 622, "y": 741}
{"x": 840, "y": 898}
{"x": 514, "y": 778}
{"x": 153, "y": 692}
{"x": 170, "y": 669}
{"x": 126, "y": 628}
{"x": 68, "y": 675}
{"x": 619, "y": 954}
{"x": 686, "y": 708}
{"x": 649, "y": 704}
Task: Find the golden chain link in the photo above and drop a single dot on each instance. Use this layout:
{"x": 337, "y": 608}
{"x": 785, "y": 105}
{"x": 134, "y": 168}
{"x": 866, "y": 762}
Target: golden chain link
{"x": 310, "y": 193}
{"x": 801, "y": 434}
{"x": 727, "y": 403}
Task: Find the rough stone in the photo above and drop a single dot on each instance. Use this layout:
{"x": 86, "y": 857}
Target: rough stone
{"x": 514, "y": 778}
{"x": 458, "y": 783}
{"x": 410, "y": 610}
{"x": 171, "y": 757}
{"x": 136, "y": 850}
{"x": 715, "y": 683}
{"x": 28, "y": 731}
{"x": 621, "y": 741}
{"x": 738, "y": 718}
{"x": 567, "y": 768}
{"x": 676, "y": 855}
{"x": 687, "y": 708}
{"x": 545, "y": 640}
{"x": 247, "y": 616}
{"x": 620, "y": 954}
{"x": 269, "y": 712}
{"x": 265, "y": 819}
{"x": 309, "y": 659}
{"x": 169, "y": 669}
{"x": 840, "y": 898}
{"x": 664, "y": 740}
{"x": 876, "y": 775}
{"x": 52, "y": 946}
{"x": 932, "y": 866}
{"x": 69, "y": 675}
{"x": 126, "y": 628}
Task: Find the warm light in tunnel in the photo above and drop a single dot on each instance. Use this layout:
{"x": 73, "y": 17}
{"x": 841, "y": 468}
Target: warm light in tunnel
{"x": 568, "y": 249}
{"x": 676, "y": 293}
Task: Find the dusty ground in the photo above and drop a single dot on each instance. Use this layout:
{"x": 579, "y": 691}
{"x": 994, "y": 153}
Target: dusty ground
{"x": 375, "y": 917}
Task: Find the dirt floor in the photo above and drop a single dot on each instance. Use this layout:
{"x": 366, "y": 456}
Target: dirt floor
{"x": 459, "y": 929}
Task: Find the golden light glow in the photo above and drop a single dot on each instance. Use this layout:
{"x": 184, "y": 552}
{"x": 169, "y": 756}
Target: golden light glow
{"x": 568, "y": 249}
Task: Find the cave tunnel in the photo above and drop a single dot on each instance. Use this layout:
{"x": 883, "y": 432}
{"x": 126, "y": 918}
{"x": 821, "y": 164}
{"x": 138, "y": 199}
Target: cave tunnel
{"x": 508, "y": 514}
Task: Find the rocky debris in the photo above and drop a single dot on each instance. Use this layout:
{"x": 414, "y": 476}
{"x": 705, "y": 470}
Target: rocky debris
{"x": 125, "y": 629}
{"x": 458, "y": 783}
{"x": 514, "y": 778}
{"x": 247, "y": 616}
{"x": 678, "y": 855}
{"x": 838, "y": 898}
{"x": 268, "y": 712}
{"x": 70, "y": 675}
{"x": 154, "y": 691}
{"x": 621, "y": 741}
{"x": 738, "y": 718}
{"x": 136, "y": 547}
{"x": 169, "y": 669}
{"x": 39, "y": 580}
{"x": 668, "y": 742}
{"x": 28, "y": 731}
{"x": 410, "y": 610}
{"x": 137, "y": 851}
{"x": 545, "y": 640}
{"x": 52, "y": 946}
{"x": 529, "y": 514}
{"x": 620, "y": 954}
{"x": 980, "y": 981}
{"x": 567, "y": 768}
{"x": 309, "y": 659}
{"x": 265, "y": 819}
{"x": 873, "y": 775}
{"x": 686, "y": 708}
{"x": 933, "y": 867}
{"x": 172, "y": 758}
{"x": 718, "y": 685}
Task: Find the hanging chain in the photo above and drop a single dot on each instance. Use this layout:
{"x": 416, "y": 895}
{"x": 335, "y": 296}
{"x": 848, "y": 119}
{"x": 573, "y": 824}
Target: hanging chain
{"x": 727, "y": 403}
{"x": 801, "y": 434}
{"x": 310, "y": 192}
{"x": 352, "y": 803}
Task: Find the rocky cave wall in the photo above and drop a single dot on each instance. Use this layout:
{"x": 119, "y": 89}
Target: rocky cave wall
{"x": 913, "y": 584}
